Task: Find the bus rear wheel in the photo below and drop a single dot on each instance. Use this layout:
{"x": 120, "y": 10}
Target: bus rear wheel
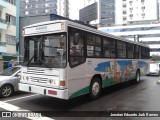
{"x": 137, "y": 79}
{"x": 95, "y": 88}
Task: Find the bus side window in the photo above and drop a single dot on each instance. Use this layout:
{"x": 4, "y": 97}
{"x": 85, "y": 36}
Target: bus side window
{"x": 109, "y": 47}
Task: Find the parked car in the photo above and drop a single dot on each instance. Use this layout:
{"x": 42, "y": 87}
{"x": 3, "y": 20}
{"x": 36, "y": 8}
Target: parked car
{"x": 9, "y": 80}
{"x": 154, "y": 69}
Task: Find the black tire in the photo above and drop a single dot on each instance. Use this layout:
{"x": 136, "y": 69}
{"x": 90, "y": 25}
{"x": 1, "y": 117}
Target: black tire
{"x": 6, "y": 90}
{"x": 137, "y": 79}
{"x": 95, "y": 88}
{"x": 158, "y": 73}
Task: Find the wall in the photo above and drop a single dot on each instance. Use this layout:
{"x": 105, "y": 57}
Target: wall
{"x": 11, "y": 29}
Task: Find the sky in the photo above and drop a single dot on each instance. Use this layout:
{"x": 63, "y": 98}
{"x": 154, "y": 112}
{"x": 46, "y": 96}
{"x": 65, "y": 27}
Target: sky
{"x": 75, "y": 6}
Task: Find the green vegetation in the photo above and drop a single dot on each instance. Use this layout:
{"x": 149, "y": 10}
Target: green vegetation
{"x": 155, "y": 57}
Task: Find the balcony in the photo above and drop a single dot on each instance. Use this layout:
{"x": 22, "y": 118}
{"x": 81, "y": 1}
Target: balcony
{"x": 3, "y": 24}
{"x": 3, "y": 47}
{"x": 3, "y": 4}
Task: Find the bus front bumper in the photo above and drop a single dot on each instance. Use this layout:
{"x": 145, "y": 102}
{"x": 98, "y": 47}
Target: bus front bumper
{"x": 57, "y": 93}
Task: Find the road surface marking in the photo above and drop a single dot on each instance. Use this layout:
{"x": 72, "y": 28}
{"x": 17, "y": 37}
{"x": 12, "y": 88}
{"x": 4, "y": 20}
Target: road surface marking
{"x": 15, "y": 109}
{"x": 20, "y": 98}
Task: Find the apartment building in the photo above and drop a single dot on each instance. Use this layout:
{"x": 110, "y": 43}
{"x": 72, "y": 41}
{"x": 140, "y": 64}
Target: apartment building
{"x": 7, "y": 29}
{"x": 136, "y": 11}
{"x": 125, "y": 12}
{"x": 43, "y": 7}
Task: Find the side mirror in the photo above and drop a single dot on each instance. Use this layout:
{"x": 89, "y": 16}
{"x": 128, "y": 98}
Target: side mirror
{"x": 76, "y": 38}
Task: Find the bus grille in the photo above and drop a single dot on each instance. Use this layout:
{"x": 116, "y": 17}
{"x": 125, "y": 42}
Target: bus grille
{"x": 32, "y": 71}
{"x": 38, "y": 79}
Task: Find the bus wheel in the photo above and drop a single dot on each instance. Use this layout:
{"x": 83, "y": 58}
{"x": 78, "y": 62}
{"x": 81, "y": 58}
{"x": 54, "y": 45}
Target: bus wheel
{"x": 95, "y": 88}
{"x": 137, "y": 76}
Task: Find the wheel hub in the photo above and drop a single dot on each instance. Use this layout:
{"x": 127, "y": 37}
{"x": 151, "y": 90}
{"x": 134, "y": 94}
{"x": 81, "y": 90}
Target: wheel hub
{"x": 6, "y": 91}
{"x": 95, "y": 88}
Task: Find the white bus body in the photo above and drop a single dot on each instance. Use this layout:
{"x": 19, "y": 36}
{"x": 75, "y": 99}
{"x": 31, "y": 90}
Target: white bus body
{"x": 42, "y": 74}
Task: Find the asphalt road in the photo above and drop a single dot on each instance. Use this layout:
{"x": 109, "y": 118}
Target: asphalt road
{"x": 143, "y": 96}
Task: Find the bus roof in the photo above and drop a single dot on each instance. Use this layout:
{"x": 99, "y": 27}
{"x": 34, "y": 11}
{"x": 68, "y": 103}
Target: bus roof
{"x": 85, "y": 28}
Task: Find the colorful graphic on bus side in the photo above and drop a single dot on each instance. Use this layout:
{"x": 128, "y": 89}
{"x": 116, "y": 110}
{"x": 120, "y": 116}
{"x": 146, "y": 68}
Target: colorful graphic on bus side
{"x": 114, "y": 72}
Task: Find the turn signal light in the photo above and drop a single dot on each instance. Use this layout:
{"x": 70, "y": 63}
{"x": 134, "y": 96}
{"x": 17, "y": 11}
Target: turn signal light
{"x": 62, "y": 83}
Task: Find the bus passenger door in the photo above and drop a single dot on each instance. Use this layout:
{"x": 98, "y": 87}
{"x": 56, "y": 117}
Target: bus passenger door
{"x": 77, "y": 68}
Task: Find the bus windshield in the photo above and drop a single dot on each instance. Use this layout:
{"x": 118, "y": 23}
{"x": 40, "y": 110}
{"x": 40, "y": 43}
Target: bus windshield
{"x": 45, "y": 51}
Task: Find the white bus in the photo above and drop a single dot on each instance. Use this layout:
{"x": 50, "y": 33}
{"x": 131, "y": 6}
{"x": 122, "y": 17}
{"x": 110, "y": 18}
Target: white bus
{"x": 64, "y": 59}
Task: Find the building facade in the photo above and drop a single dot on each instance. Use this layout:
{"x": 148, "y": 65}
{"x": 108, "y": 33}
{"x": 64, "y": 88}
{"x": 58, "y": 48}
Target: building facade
{"x": 63, "y": 8}
{"x": 105, "y": 12}
{"x": 125, "y": 12}
{"x": 7, "y": 29}
{"x": 136, "y": 11}
{"x": 43, "y": 7}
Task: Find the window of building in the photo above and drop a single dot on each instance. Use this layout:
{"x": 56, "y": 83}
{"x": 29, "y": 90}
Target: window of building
{"x": 143, "y": 7}
{"x": 13, "y": 2}
{"x": 130, "y": 2}
{"x": 124, "y": 5}
{"x": 22, "y": 1}
{"x": 107, "y": 12}
{"x": 131, "y": 8}
{"x": 41, "y": 11}
{"x": 10, "y": 40}
{"x": 22, "y": 13}
{"x": 131, "y": 15}
{"x": 32, "y": 12}
{"x": 124, "y": 18}
{"x": 143, "y": 14}
{"x": 124, "y": 12}
{"x": 10, "y": 19}
{"x": 142, "y": 1}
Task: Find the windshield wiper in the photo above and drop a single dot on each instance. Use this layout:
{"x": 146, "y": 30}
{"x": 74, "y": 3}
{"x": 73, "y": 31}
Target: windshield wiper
{"x": 30, "y": 60}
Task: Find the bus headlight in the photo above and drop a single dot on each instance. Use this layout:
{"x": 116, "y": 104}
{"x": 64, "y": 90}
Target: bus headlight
{"x": 62, "y": 83}
{"x": 24, "y": 77}
{"x": 54, "y": 82}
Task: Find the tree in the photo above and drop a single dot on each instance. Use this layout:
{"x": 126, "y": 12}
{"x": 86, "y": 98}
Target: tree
{"x": 155, "y": 57}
